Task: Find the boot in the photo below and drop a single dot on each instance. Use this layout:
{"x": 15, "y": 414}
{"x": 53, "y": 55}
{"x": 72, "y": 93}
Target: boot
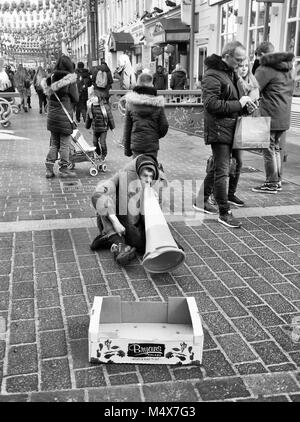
{"x": 49, "y": 170}
{"x": 123, "y": 253}
{"x": 65, "y": 172}
{"x": 29, "y": 102}
{"x": 101, "y": 242}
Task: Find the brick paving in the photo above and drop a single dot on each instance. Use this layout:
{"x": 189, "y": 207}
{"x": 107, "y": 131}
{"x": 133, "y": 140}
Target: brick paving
{"x": 246, "y": 284}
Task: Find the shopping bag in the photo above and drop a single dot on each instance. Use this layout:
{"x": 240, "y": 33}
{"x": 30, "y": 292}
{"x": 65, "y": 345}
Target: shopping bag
{"x": 252, "y": 133}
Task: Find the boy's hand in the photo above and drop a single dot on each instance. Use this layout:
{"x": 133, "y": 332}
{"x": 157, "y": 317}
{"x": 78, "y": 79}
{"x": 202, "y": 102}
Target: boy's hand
{"x": 119, "y": 228}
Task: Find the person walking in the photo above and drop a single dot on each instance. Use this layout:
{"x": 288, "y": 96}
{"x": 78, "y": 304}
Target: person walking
{"x": 160, "y": 79}
{"x": 222, "y": 106}
{"x": 37, "y": 83}
{"x": 62, "y": 91}
{"x": 178, "y": 78}
{"x": 83, "y": 83}
{"x": 100, "y": 117}
{"x": 145, "y": 119}
{"x": 275, "y": 79}
{"x": 21, "y": 80}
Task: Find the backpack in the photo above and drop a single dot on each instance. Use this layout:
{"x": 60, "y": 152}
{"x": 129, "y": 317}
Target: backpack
{"x": 27, "y": 83}
{"x": 101, "y": 79}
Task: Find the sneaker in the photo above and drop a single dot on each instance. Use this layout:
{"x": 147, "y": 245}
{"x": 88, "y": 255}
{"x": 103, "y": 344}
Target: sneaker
{"x": 229, "y": 221}
{"x": 265, "y": 188}
{"x": 279, "y": 186}
{"x": 123, "y": 253}
{"x": 207, "y": 208}
{"x": 212, "y": 200}
{"x": 236, "y": 201}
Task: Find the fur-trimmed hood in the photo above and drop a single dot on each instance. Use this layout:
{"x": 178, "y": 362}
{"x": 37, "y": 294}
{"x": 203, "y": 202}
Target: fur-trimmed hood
{"x": 144, "y": 97}
{"x": 215, "y": 62}
{"x": 278, "y": 61}
{"x": 59, "y": 80}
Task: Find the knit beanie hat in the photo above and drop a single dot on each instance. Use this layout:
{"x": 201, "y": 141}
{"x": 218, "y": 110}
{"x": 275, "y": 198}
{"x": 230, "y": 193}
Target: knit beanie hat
{"x": 143, "y": 161}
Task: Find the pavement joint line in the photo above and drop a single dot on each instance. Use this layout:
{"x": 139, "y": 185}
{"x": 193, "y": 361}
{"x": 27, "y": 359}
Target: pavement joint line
{"x": 190, "y": 218}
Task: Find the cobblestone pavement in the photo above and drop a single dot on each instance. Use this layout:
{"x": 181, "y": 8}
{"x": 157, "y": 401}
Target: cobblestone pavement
{"x": 246, "y": 283}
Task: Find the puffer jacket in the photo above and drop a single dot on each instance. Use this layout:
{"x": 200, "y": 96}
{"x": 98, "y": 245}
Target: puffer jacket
{"x": 276, "y": 83}
{"x": 145, "y": 121}
{"x": 220, "y": 100}
{"x": 178, "y": 79}
{"x": 96, "y": 118}
{"x": 64, "y": 85}
{"x": 84, "y": 81}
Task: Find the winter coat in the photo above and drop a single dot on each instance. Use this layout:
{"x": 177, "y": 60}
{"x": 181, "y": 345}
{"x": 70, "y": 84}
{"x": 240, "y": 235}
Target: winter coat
{"x": 114, "y": 196}
{"x": 96, "y": 119}
{"x": 178, "y": 79}
{"x": 145, "y": 121}
{"x": 20, "y": 78}
{"x": 160, "y": 81}
{"x": 274, "y": 76}
{"x": 64, "y": 85}
{"x": 220, "y": 100}
{"x": 83, "y": 83}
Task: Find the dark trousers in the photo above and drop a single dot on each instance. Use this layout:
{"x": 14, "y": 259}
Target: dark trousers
{"x": 81, "y": 108}
{"x": 99, "y": 141}
{"x": 42, "y": 100}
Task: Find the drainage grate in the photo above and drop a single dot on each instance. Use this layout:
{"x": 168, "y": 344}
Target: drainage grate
{"x": 73, "y": 186}
{"x": 250, "y": 170}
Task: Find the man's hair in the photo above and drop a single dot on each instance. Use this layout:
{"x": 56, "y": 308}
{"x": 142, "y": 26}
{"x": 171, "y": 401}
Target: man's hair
{"x": 264, "y": 47}
{"x": 230, "y": 48}
{"x": 145, "y": 79}
{"x": 80, "y": 65}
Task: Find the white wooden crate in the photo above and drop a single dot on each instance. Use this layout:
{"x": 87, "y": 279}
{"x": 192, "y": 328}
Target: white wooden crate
{"x": 145, "y": 332}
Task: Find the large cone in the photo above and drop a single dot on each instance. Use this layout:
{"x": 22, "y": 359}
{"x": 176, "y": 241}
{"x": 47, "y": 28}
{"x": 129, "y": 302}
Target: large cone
{"x": 162, "y": 253}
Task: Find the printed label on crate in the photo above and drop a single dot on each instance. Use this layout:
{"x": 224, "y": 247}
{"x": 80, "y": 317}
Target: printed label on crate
{"x": 143, "y": 350}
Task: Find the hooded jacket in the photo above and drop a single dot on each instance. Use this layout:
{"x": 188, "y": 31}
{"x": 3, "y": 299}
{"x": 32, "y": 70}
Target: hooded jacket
{"x": 83, "y": 82}
{"x": 220, "y": 100}
{"x": 274, "y": 76}
{"x": 145, "y": 121}
{"x": 160, "y": 81}
{"x": 121, "y": 195}
{"x": 178, "y": 79}
{"x": 64, "y": 85}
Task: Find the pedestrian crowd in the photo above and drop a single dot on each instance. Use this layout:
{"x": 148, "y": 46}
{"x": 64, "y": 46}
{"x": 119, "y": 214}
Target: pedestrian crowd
{"x": 232, "y": 91}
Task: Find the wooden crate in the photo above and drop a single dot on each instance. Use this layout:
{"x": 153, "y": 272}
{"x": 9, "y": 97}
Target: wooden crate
{"x": 145, "y": 332}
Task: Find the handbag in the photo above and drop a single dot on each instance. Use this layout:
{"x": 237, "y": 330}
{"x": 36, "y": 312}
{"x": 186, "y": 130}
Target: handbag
{"x": 252, "y": 132}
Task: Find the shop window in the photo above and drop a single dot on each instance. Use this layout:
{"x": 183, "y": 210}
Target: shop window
{"x": 256, "y": 28}
{"x": 292, "y": 38}
{"x": 229, "y": 13}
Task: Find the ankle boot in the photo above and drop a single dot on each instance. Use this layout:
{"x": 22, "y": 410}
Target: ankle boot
{"x": 122, "y": 252}
{"x": 65, "y": 172}
{"x": 49, "y": 170}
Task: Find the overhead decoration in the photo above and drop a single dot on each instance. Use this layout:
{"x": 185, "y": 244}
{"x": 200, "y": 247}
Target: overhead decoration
{"x": 41, "y": 24}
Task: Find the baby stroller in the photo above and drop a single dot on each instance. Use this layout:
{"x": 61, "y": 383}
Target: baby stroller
{"x": 80, "y": 150}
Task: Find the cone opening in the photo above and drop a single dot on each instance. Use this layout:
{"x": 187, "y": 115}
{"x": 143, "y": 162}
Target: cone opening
{"x": 164, "y": 261}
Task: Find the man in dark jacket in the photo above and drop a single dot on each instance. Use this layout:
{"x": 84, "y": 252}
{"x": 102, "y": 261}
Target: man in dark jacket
{"x": 145, "y": 119}
{"x": 160, "y": 79}
{"x": 222, "y": 106}
{"x": 178, "y": 78}
{"x": 276, "y": 83}
{"x": 83, "y": 82}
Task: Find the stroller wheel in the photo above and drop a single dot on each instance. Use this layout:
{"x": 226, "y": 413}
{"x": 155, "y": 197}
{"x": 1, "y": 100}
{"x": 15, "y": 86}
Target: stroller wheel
{"x": 104, "y": 168}
{"x": 6, "y": 124}
{"x": 99, "y": 167}
{"x": 93, "y": 171}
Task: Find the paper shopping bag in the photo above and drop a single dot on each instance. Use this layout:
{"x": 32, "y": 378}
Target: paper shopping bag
{"x": 252, "y": 133}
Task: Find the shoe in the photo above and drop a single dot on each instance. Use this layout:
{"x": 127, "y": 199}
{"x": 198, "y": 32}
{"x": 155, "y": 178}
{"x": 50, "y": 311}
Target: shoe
{"x": 25, "y": 109}
{"x": 279, "y": 187}
{"x": 236, "y": 201}
{"x": 49, "y": 170}
{"x": 266, "y": 188}
{"x": 123, "y": 253}
{"x": 65, "y": 172}
{"x": 100, "y": 242}
{"x": 229, "y": 221}
{"x": 212, "y": 200}
{"x": 207, "y": 208}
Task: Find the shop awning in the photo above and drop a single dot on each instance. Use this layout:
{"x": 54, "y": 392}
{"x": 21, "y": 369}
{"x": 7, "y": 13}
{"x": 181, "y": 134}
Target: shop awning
{"x": 120, "y": 41}
{"x": 171, "y": 30}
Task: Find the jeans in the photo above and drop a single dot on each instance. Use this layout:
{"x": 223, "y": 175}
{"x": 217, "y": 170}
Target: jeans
{"x": 59, "y": 143}
{"x": 228, "y": 163}
{"x": 42, "y": 100}
{"x": 152, "y": 154}
{"x": 99, "y": 141}
{"x": 272, "y": 158}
